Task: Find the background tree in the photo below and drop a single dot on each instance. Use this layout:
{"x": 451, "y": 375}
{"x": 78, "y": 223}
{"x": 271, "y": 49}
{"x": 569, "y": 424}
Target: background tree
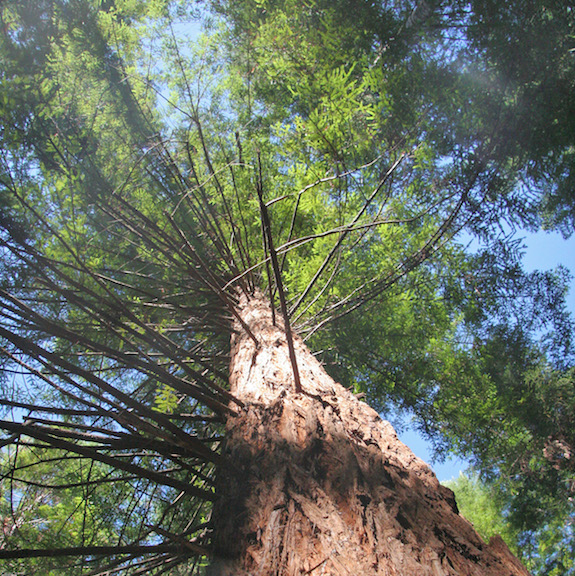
{"x": 153, "y": 184}
{"x": 545, "y": 549}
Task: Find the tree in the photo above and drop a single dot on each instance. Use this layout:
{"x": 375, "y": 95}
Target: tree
{"x": 188, "y": 215}
{"x": 463, "y": 400}
{"x": 546, "y": 549}
{"x": 528, "y": 466}
{"x": 480, "y": 505}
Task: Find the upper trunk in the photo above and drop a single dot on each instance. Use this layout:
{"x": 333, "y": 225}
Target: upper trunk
{"x": 317, "y": 483}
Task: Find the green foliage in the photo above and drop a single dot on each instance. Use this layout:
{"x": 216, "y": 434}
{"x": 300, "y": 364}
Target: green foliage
{"x": 166, "y": 399}
{"x": 529, "y": 48}
{"x": 133, "y": 151}
{"x": 524, "y": 449}
{"x": 545, "y": 548}
{"x": 56, "y": 500}
{"x": 479, "y": 503}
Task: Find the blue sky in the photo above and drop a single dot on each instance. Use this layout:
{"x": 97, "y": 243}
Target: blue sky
{"x": 544, "y": 251}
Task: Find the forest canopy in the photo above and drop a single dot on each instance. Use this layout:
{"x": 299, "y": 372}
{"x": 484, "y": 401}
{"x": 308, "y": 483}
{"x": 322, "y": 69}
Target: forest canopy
{"x": 366, "y": 166}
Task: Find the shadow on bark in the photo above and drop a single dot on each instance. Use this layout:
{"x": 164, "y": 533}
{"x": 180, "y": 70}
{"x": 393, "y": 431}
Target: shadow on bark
{"x": 323, "y": 486}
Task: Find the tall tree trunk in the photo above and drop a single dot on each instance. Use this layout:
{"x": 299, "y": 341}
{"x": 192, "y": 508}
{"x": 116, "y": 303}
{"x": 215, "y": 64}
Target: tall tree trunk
{"x": 317, "y": 483}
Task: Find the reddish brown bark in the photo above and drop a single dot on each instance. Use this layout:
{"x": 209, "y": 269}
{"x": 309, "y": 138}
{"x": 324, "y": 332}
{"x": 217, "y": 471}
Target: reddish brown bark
{"x": 319, "y": 484}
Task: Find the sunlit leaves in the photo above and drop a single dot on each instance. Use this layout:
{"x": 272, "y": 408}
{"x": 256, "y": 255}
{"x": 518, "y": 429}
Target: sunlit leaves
{"x": 58, "y": 500}
{"x": 479, "y": 504}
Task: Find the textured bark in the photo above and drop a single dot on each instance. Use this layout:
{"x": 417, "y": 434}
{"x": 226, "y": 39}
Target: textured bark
{"x": 319, "y": 484}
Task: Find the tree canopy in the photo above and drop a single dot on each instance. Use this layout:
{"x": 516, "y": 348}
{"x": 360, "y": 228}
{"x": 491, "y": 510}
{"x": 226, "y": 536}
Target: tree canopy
{"x": 365, "y": 173}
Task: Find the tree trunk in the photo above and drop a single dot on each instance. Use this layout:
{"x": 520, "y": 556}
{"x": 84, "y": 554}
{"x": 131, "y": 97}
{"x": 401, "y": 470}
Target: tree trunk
{"x": 317, "y": 483}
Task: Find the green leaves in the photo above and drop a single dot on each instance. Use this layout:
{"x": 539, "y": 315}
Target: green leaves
{"x": 56, "y": 500}
{"x": 479, "y": 503}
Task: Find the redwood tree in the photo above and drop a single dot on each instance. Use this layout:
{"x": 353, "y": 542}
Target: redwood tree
{"x": 180, "y": 217}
